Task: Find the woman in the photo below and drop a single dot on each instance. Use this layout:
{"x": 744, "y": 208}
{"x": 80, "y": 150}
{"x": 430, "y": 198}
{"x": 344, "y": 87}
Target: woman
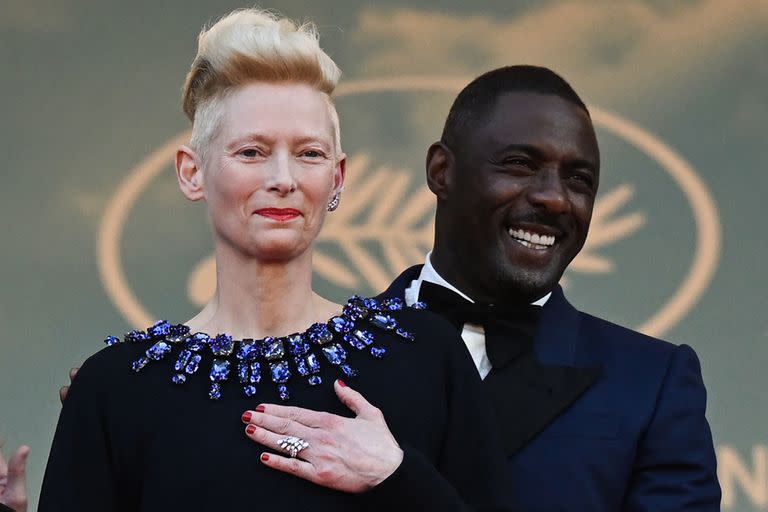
{"x": 265, "y": 156}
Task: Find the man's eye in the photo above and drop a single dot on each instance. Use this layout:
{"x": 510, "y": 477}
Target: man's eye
{"x": 311, "y": 153}
{"x": 583, "y": 179}
{"x": 519, "y": 162}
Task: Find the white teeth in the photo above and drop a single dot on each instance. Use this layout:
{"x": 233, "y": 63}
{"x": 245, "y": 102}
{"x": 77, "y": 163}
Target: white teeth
{"x": 532, "y": 240}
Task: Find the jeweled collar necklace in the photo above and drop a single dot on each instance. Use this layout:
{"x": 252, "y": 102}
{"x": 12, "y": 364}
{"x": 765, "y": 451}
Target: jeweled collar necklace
{"x": 280, "y": 357}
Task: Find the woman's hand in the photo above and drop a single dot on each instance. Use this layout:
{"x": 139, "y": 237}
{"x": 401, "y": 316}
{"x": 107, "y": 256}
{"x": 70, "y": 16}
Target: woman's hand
{"x": 347, "y": 454}
{"x": 13, "y": 480}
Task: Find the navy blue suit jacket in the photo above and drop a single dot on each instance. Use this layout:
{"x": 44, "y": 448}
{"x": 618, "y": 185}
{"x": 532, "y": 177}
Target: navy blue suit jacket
{"x": 602, "y": 418}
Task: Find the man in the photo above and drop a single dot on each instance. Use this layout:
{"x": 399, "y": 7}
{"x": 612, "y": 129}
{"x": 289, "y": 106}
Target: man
{"x": 594, "y": 416}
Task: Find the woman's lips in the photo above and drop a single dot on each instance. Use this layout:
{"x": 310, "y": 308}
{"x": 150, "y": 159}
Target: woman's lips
{"x": 278, "y": 214}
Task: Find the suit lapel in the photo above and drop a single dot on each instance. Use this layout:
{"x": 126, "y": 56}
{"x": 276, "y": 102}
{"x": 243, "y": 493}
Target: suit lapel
{"x": 531, "y": 392}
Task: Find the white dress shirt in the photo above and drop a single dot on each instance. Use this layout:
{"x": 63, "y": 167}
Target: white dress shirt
{"x": 472, "y": 334}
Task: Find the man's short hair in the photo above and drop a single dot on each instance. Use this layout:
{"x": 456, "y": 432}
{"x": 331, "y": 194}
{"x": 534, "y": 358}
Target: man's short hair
{"x": 479, "y": 96}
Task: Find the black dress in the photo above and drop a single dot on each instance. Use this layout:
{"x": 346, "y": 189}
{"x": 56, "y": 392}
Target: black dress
{"x": 136, "y": 441}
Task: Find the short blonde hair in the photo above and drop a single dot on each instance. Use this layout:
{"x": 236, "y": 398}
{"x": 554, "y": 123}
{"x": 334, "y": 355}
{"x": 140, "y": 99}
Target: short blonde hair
{"x": 252, "y": 45}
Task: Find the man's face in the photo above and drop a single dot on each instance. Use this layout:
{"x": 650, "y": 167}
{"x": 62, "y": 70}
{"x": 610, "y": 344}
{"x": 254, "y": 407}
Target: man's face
{"x": 520, "y": 198}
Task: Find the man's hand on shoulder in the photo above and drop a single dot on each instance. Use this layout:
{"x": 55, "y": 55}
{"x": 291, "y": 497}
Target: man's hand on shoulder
{"x": 65, "y": 389}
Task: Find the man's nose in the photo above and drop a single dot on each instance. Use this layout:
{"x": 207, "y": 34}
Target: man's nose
{"x": 549, "y": 192}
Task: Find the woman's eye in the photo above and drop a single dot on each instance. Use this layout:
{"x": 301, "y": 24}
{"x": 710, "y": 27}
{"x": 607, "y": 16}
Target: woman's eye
{"x": 249, "y": 153}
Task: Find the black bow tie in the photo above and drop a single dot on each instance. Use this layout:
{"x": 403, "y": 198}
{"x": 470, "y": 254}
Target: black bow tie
{"x": 509, "y": 330}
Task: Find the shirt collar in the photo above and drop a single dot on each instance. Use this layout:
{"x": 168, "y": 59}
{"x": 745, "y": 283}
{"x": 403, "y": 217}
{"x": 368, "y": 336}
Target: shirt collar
{"x": 428, "y": 273}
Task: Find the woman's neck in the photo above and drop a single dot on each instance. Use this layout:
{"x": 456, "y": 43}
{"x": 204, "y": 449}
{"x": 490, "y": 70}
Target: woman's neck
{"x": 254, "y": 299}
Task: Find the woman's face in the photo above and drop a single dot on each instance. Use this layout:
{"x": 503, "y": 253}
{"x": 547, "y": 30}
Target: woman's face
{"x": 271, "y": 170}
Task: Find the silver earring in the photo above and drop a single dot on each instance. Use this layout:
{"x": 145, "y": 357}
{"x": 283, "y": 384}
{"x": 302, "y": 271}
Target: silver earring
{"x": 334, "y": 202}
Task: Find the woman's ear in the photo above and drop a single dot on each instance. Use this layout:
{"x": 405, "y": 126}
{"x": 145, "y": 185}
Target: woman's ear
{"x": 439, "y": 167}
{"x": 189, "y": 174}
{"x": 339, "y": 174}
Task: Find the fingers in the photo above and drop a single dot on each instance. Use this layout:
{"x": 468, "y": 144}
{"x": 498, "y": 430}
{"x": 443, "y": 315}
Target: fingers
{"x": 17, "y": 474}
{"x": 276, "y": 424}
{"x": 271, "y": 440}
{"x": 3, "y": 465}
{"x": 356, "y": 402}
{"x": 63, "y": 390}
{"x": 306, "y": 417}
{"x": 14, "y": 485}
{"x": 297, "y": 467}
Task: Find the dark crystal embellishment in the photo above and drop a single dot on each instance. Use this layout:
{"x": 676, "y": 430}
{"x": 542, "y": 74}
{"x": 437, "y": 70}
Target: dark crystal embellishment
{"x": 159, "y": 329}
{"x": 285, "y": 356}
{"x": 280, "y": 371}
{"x": 274, "y": 349}
{"x": 111, "y": 340}
{"x": 248, "y": 350}
{"x": 341, "y": 324}
{"x": 384, "y": 321}
{"x": 319, "y": 334}
{"x": 219, "y": 370}
{"x": 335, "y": 353}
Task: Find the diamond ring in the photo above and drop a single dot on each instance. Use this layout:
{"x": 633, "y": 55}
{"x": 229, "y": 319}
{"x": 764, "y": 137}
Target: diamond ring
{"x": 292, "y": 445}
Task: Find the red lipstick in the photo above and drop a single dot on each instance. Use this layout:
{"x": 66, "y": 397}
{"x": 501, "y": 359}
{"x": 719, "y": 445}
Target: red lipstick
{"x": 278, "y": 214}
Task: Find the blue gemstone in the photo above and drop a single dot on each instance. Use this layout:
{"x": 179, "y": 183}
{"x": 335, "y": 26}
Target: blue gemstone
{"x": 219, "y": 370}
{"x": 139, "y": 364}
{"x": 419, "y": 305}
{"x": 313, "y": 363}
{"x": 379, "y": 352}
{"x": 111, "y": 340}
{"x": 335, "y": 353}
{"x": 273, "y": 348}
{"x": 178, "y": 330}
{"x": 405, "y": 334}
{"x": 371, "y": 303}
{"x": 348, "y": 370}
{"x": 179, "y": 378}
{"x": 255, "y": 373}
{"x": 341, "y": 324}
{"x": 243, "y": 373}
{"x": 393, "y": 304}
{"x": 193, "y": 364}
{"x": 158, "y": 350}
{"x": 280, "y": 371}
{"x": 383, "y": 321}
{"x": 314, "y": 380}
{"x": 222, "y": 345}
{"x": 247, "y": 350}
{"x": 182, "y": 360}
{"x": 319, "y": 334}
{"x": 136, "y": 336}
{"x": 282, "y": 390}
{"x": 159, "y": 329}
{"x": 249, "y": 390}
{"x": 364, "y": 336}
{"x": 215, "y": 392}
{"x": 301, "y": 366}
{"x": 297, "y": 346}
{"x": 355, "y": 311}
{"x": 198, "y": 341}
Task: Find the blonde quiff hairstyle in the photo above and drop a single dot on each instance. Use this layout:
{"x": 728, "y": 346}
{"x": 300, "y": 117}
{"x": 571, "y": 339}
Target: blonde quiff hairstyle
{"x": 247, "y": 46}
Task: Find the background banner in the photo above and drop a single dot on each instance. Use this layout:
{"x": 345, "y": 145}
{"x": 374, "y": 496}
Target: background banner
{"x": 96, "y": 238}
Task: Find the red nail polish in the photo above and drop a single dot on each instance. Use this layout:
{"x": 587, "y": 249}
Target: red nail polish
{"x": 250, "y": 429}
{"x": 247, "y": 417}
{"x": 342, "y": 384}
{"x": 265, "y": 457}
{"x": 259, "y": 408}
